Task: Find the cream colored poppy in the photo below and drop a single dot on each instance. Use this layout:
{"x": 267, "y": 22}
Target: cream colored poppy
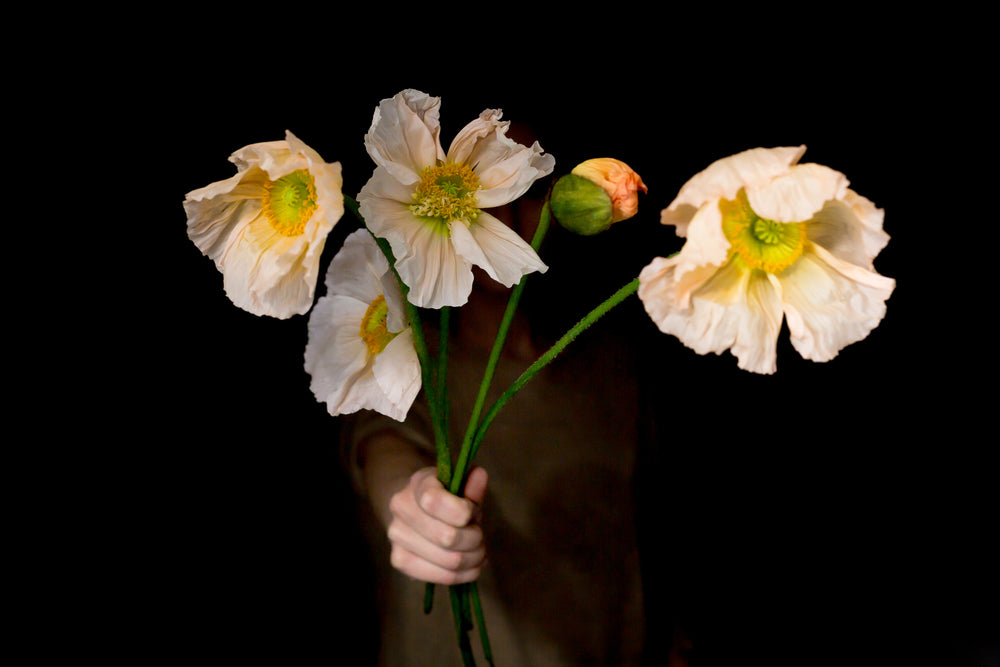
{"x": 266, "y": 226}
{"x": 429, "y": 204}
{"x": 360, "y": 352}
{"x": 769, "y": 239}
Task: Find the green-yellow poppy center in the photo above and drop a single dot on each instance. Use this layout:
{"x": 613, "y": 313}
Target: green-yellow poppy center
{"x": 446, "y": 192}
{"x": 759, "y": 243}
{"x": 289, "y": 202}
{"x": 374, "y": 330}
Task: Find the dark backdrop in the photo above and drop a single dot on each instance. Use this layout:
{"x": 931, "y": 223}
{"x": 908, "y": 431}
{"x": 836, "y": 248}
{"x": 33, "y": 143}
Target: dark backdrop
{"x": 830, "y": 512}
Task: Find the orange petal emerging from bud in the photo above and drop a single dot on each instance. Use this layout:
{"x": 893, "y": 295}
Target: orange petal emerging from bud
{"x": 620, "y": 182}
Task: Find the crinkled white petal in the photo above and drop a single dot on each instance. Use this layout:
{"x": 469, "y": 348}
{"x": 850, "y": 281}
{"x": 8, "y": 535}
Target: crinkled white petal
{"x": 850, "y": 229}
{"x": 506, "y": 169}
{"x": 756, "y": 344}
{"x": 397, "y": 373}
{"x": 477, "y": 139}
{"x": 425, "y": 257}
{"x": 270, "y": 156}
{"x": 831, "y": 303}
{"x": 336, "y": 357}
{"x": 797, "y": 194}
{"x": 344, "y": 373}
{"x": 728, "y": 309}
{"x": 496, "y": 248}
{"x": 706, "y": 245}
{"x": 265, "y": 272}
{"x": 382, "y": 185}
{"x": 397, "y": 319}
{"x": 357, "y": 268}
{"x": 723, "y": 179}
{"x": 436, "y": 263}
{"x": 216, "y": 212}
{"x": 404, "y": 137}
{"x": 831, "y": 295}
{"x": 665, "y": 293}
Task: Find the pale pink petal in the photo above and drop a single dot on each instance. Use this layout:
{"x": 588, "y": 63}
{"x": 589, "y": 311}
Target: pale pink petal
{"x": 730, "y": 309}
{"x": 830, "y": 303}
{"x": 473, "y": 141}
{"x": 723, "y": 179}
{"x": 397, "y": 373}
{"x": 496, "y": 248}
{"x": 382, "y": 185}
{"x": 425, "y": 258}
{"x": 405, "y": 135}
{"x": 851, "y": 230}
{"x": 336, "y": 358}
{"x": 706, "y": 245}
{"x": 220, "y": 209}
{"x": 506, "y": 169}
{"x": 357, "y": 268}
{"x": 797, "y": 194}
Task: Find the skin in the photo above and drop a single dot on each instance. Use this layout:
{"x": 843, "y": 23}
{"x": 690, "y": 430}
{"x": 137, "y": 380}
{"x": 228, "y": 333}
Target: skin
{"x": 435, "y": 536}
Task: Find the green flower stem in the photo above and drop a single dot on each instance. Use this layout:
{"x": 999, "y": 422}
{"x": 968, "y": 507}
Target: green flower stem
{"x": 545, "y": 360}
{"x": 443, "y": 448}
{"x": 427, "y": 370}
{"x": 432, "y": 375}
{"x": 465, "y": 453}
{"x": 442, "y": 388}
{"x": 477, "y": 609}
{"x": 460, "y": 612}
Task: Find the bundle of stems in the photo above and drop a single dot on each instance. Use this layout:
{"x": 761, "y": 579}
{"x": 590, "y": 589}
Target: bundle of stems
{"x": 465, "y": 600}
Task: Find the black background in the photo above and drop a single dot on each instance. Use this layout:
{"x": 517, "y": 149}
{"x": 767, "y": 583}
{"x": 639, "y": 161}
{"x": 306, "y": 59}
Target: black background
{"x": 832, "y": 512}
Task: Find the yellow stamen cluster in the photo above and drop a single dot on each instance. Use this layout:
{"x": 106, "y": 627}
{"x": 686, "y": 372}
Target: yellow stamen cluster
{"x": 289, "y": 202}
{"x": 374, "y": 330}
{"x": 759, "y": 243}
{"x": 446, "y": 192}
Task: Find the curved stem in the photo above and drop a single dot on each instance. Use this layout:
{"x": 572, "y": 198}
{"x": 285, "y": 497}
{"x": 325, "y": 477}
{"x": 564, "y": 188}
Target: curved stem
{"x": 464, "y": 454}
{"x": 427, "y": 369}
{"x": 547, "y": 358}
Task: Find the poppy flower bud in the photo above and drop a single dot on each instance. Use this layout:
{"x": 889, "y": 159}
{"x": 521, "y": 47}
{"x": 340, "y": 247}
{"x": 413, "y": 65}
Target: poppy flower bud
{"x": 596, "y": 194}
{"x": 620, "y": 182}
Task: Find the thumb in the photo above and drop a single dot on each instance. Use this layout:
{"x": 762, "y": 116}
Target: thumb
{"x": 475, "y": 485}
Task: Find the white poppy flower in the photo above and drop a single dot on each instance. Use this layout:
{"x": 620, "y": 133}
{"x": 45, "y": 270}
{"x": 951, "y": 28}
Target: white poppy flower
{"x": 265, "y": 227}
{"x": 428, "y": 204}
{"x": 360, "y": 352}
{"x": 768, "y": 239}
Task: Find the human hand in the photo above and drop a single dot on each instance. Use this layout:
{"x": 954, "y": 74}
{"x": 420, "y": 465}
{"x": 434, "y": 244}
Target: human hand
{"x": 436, "y": 536}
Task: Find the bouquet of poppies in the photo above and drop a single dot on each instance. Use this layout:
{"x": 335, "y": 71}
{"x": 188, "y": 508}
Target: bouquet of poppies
{"x": 768, "y": 240}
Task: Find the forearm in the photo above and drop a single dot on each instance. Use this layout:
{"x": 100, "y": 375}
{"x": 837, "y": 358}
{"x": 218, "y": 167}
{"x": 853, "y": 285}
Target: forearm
{"x": 388, "y": 460}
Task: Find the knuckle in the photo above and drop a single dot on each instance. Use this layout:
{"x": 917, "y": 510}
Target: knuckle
{"x": 399, "y": 558}
{"x": 396, "y": 504}
{"x": 450, "y": 578}
{"x": 453, "y": 562}
{"x": 449, "y": 537}
{"x": 430, "y": 502}
{"x": 393, "y": 531}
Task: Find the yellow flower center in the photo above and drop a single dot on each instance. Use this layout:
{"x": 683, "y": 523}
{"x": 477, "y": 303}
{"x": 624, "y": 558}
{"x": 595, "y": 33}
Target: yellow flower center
{"x": 446, "y": 192}
{"x": 374, "y": 330}
{"x": 759, "y": 243}
{"x": 289, "y": 202}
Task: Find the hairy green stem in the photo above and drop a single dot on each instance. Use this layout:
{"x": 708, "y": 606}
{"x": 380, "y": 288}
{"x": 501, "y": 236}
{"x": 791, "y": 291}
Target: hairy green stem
{"x": 464, "y": 455}
{"x": 427, "y": 369}
{"x": 546, "y": 359}
{"x": 433, "y": 376}
{"x": 477, "y": 610}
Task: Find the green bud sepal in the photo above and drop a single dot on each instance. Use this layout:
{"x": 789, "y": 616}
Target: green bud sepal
{"x": 580, "y": 205}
